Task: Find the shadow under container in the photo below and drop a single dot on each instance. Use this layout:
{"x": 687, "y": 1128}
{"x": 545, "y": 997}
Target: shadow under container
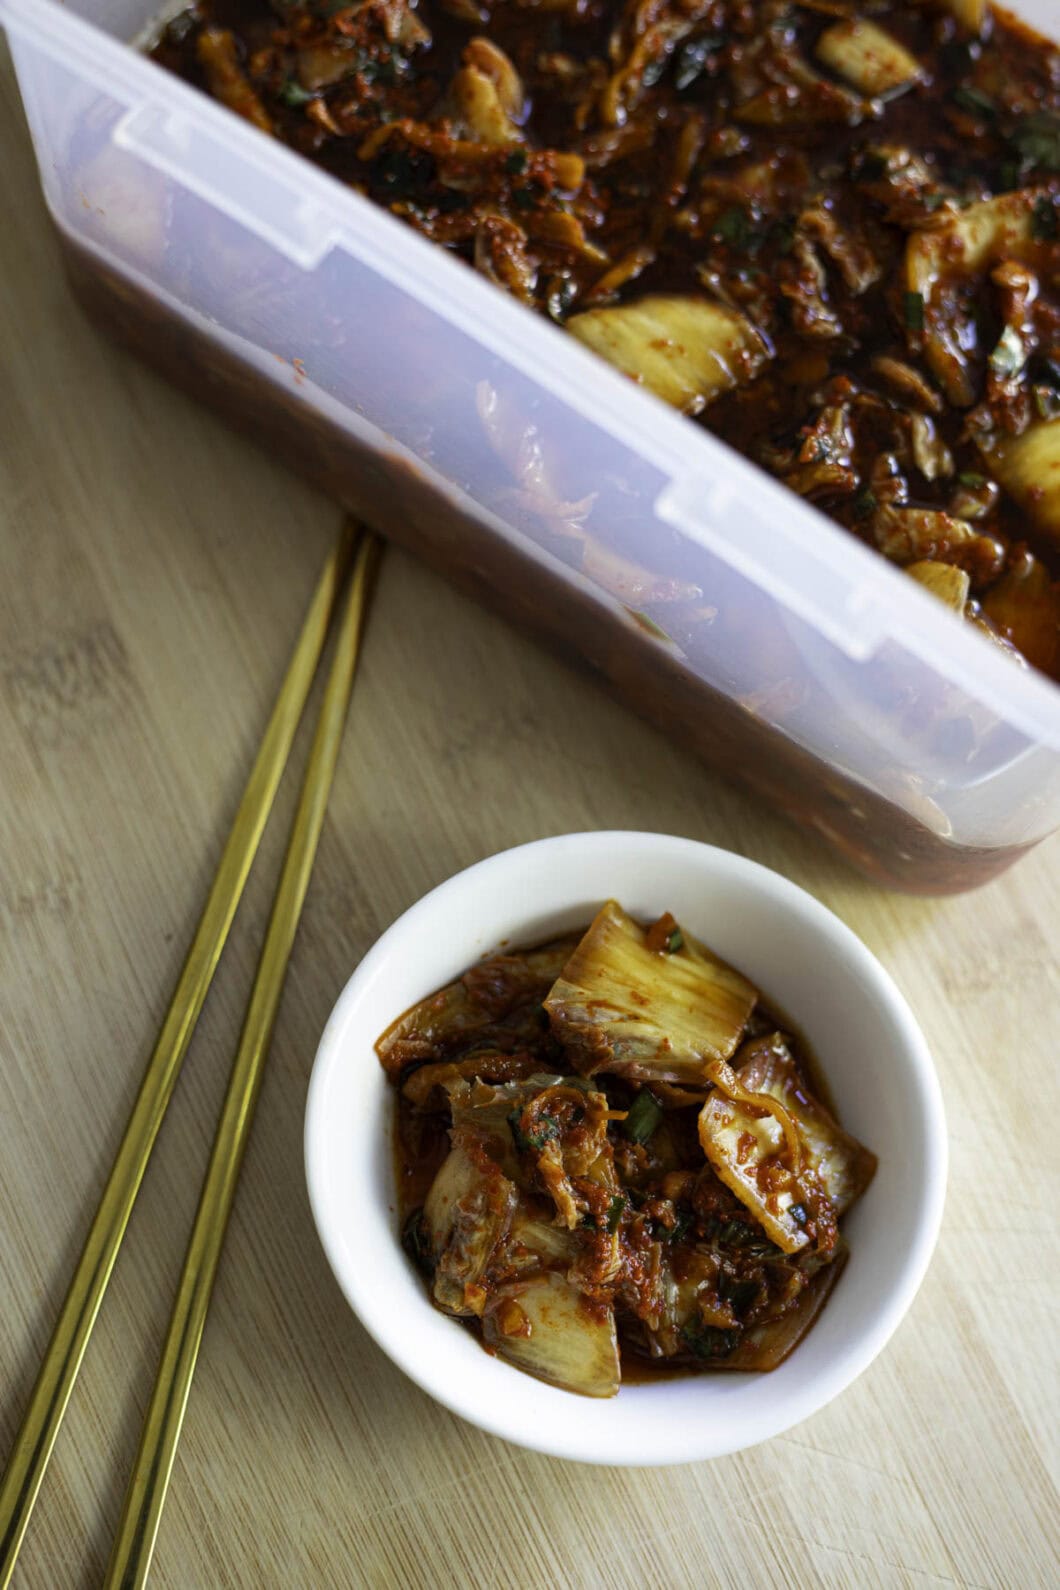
{"x": 712, "y": 600}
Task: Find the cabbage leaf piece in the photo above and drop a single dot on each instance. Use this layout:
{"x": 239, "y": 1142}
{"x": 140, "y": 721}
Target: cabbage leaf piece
{"x": 843, "y": 1166}
{"x": 497, "y": 1001}
{"x": 965, "y": 244}
{"x": 778, "y": 1149}
{"x": 545, "y": 1327}
{"x": 621, "y": 1007}
{"x": 565, "y": 1128}
{"x": 535, "y": 1242}
{"x": 486, "y": 1109}
{"x": 686, "y": 350}
{"x": 765, "y": 1347}
{"x": 946, "y": 582}
{"x": 480, "y": 109}
{"x": 752, "y": 1143}
{"x": 684, "y": 1293}
{"x": 1025, "y": 606}
{"x": 868, "y": 57}
{"x": 1028, "y": 467}
{"x": 467, "y": 1214}
{"x": 702, "y": 1298}
{"x": 426, "y": 1087}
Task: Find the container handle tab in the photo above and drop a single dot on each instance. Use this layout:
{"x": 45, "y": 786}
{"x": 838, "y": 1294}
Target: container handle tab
{"x": 202, "y": 160}
{"x": 772, "y": 539}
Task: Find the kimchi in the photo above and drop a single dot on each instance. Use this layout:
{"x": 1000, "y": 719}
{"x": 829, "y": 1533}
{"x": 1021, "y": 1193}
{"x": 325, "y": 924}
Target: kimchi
{"x": 611, "y": 1154}
{"x": 829, "y": 231}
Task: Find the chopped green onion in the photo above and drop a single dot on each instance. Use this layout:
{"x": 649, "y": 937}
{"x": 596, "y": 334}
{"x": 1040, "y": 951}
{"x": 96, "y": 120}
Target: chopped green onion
{"x": 969, "y": 478}
{"x": 707, "y": 1341}
{"x": 516, "y": 162}
{"x": 645, "y": 1113}
{"x": 654, "y": 70}
{"x": 1037, "y": 140}
{"x": 675, "y": 941}
{"x": 294, "y": 95}
{"x": 518, "y": 1135}
{"x": 614, "y": 1213}
{"x": 865, "y": 503}
{"x": 914, "y": 311}
{"x": 974, "y": 101}
{"x": 737, "y": 1234}
{"x": 678, "y": 1230}
{"x": 545, "y": 1131}
{"x": 733, "y": 226}
{"x": 692, "y": 57}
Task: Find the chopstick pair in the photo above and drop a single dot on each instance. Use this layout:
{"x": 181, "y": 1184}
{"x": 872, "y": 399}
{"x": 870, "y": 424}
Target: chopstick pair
{"x": 350, "y": 567}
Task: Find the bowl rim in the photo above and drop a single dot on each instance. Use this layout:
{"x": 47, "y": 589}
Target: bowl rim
{"x": 458, "y": 1395}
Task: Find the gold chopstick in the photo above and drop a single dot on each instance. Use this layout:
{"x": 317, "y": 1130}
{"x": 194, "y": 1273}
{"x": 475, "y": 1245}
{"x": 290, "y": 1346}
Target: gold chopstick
{"x": 40, "y": 1425}
{"x": 134, "y": 1543}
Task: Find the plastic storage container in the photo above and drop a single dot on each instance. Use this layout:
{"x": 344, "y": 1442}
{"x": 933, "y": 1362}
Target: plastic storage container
{"x": 489, "y": 442}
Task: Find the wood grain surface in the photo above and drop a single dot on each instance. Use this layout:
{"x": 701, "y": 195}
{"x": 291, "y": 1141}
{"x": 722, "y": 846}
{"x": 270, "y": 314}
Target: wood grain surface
{"x": 153, "y": 572}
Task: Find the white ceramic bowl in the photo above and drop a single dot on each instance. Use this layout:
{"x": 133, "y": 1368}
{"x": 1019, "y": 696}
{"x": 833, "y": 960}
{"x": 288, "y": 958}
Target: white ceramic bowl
{"x": 807, "y": 962}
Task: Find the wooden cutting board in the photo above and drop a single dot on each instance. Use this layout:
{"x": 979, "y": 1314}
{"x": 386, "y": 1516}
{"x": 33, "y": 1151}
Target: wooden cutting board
{"x": 153, "y": 572}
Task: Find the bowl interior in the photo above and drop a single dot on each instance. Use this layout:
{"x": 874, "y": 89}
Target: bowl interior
{"x": 807, "y": 963}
